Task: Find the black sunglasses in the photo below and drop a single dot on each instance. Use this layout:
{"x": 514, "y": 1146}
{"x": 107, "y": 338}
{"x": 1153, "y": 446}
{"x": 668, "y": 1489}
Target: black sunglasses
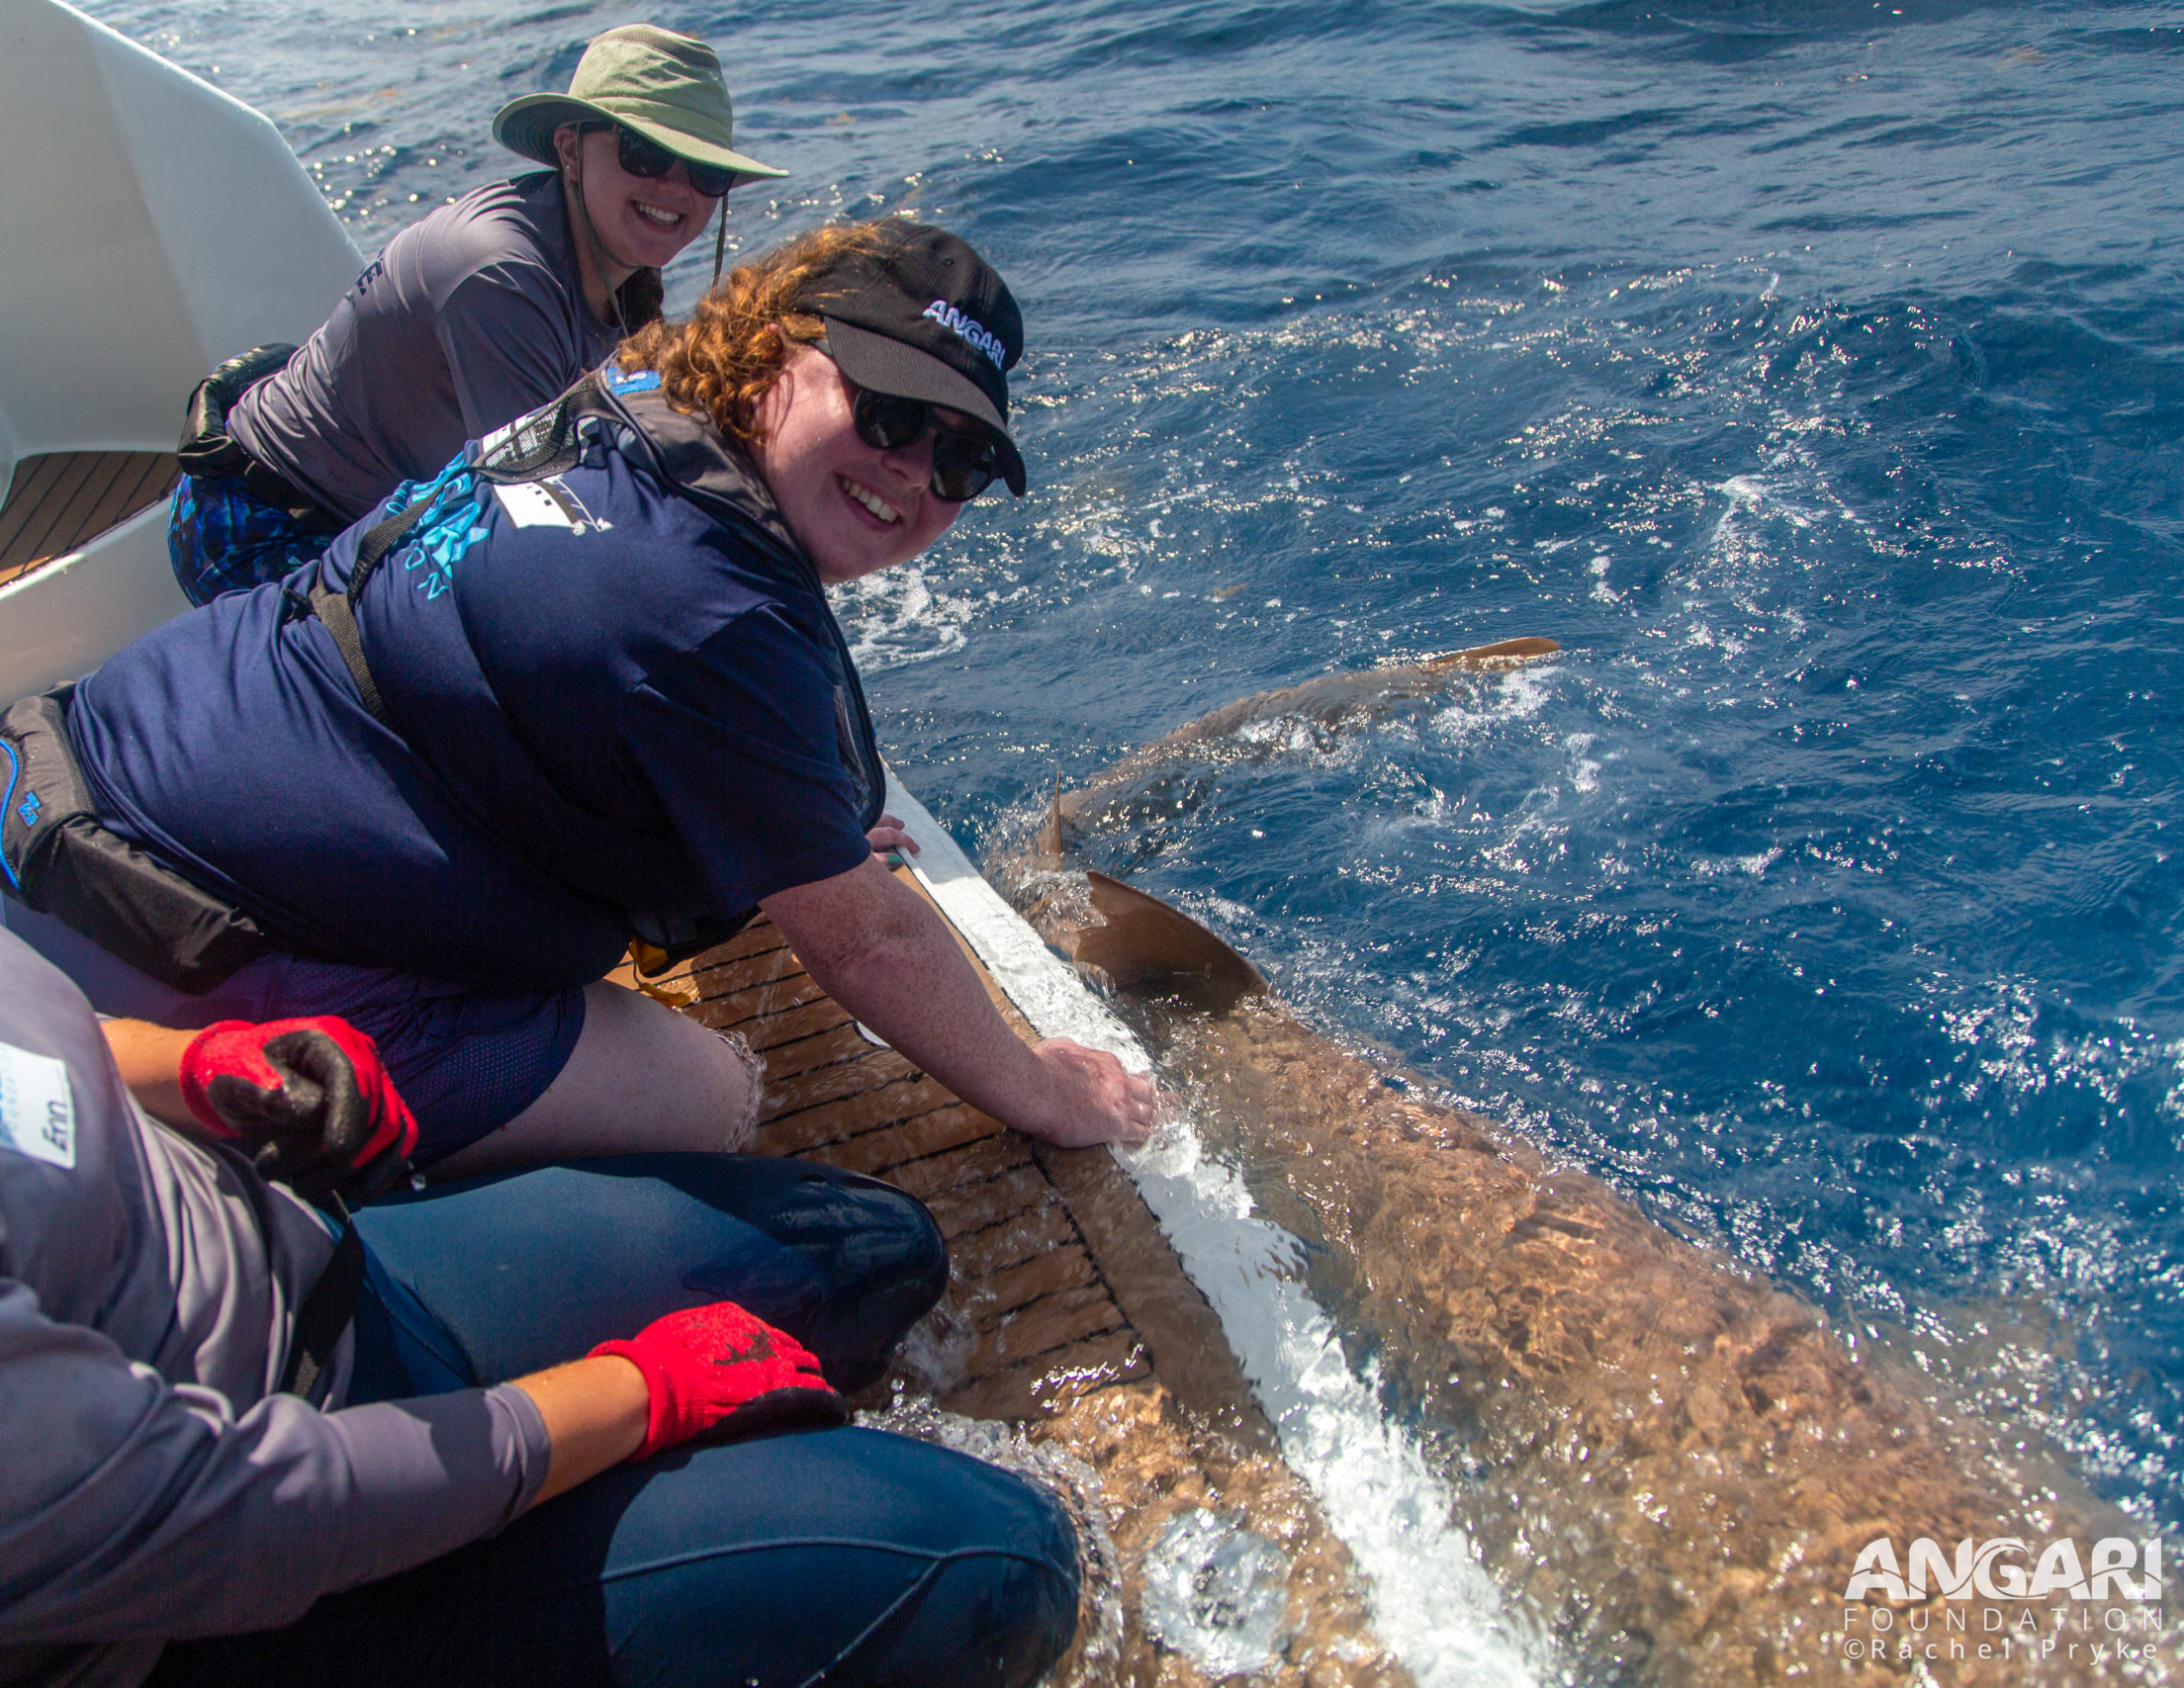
{"x": 964, "y": 462}
{"x": 641, "y": 155}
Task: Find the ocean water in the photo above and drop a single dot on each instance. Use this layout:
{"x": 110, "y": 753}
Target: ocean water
{"x": 1809, "y": 371}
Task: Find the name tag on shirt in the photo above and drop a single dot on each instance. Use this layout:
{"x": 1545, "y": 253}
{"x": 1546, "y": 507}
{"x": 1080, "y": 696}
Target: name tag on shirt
{"x": 546, "y": 504}
{"x": 38, "y": 1113}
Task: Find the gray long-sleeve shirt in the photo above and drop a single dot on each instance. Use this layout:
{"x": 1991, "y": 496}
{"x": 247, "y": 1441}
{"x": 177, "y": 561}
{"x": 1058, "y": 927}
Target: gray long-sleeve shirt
{"x": 152, "y": 1487}
{"x": 467, "y": 319}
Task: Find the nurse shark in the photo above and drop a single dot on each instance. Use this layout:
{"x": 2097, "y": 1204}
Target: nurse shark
{"x": 1266, "y": 725}
{"x": 1677, "y": 1468}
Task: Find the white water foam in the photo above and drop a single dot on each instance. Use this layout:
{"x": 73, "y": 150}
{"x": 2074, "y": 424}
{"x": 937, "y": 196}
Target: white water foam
{"x": 895, "y": 617}
{"x": 1216, "y": 1592}
{"x": 1432, "y": 1599}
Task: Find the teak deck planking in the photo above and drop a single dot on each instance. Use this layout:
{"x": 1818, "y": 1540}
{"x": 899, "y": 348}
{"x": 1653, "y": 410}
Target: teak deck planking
{"x": 1044, "y": 1324}
{"x": 59, "y": 501}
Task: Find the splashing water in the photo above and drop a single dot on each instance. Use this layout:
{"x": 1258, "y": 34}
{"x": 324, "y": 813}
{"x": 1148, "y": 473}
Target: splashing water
{"x": 1808, "y": 372}
{"x": 1431, "y": 1601}
{"x": 1214, "y": 1592}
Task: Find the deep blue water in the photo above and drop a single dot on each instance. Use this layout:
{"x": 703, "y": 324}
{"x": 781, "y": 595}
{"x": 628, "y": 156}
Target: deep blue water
{"x": 1810, "y": 370}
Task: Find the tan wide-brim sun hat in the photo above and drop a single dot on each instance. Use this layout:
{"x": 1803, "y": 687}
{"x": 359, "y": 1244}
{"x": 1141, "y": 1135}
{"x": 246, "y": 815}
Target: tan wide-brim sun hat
{"x": 667, "y": 87}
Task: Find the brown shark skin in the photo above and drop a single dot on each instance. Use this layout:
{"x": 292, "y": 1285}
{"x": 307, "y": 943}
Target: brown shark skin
{"x": 1674, "y": 1464}
{"x": 1333, "y": 699}
{"x": 1677, "y": 1464}
{"x": 1330, "y": 703}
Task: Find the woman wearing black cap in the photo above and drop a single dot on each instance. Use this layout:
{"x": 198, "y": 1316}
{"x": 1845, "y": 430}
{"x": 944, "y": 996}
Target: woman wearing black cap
{"x": 488, "y": 307}
{"x": 586, "y": 685}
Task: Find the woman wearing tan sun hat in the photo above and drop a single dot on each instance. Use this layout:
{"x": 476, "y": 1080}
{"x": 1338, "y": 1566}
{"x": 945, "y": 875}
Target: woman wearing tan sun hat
{"x": 487, "y": 308}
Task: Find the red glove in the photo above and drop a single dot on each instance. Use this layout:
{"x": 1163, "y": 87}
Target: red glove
{"x": 308, "y": 1097}
{"x": 721, "y": 1368}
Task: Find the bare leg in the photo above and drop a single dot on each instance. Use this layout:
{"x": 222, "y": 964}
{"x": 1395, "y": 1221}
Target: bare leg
{"x": 641, "y": 1077}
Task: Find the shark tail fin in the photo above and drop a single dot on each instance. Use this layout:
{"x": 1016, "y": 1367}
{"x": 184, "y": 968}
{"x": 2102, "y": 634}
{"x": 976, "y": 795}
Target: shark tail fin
{"x": 1146, "y": 946}
{"x": 1505, "y": 654}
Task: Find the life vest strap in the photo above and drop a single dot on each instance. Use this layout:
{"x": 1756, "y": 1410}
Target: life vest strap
{"x": 339, "y": 609}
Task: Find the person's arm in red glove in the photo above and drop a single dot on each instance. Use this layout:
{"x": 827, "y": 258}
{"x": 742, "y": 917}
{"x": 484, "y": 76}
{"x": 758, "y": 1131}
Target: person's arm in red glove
{"x": 719, "y": 1370}
{"x": 709, "y": 1370}
{"x": 307, "y": 1099}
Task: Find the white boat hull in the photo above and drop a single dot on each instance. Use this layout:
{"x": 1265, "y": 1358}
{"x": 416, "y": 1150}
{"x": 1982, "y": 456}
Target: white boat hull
{"x": 156, "y": 225}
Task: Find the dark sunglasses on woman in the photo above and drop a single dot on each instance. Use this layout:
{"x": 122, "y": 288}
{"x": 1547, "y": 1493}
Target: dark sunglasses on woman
{"x": 643, "y": 156}
{"x": 964, "y": 462}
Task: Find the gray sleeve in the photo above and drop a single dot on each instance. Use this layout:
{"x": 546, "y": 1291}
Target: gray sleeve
{"x": 505, "y": 331}
{"x": 129, "y": 1508}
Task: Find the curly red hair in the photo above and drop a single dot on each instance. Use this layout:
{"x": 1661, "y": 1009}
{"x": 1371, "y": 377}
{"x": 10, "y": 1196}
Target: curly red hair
{"x": 724, "y": 359}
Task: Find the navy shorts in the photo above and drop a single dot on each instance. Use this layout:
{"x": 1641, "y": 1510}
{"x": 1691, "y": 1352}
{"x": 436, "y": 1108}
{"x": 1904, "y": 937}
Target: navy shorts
{"x": 467, "y": 1059}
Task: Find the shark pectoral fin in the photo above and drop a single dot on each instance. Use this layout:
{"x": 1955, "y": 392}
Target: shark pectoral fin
{"x": 1148, "y": 946}
{"x": 1507, "y": 653}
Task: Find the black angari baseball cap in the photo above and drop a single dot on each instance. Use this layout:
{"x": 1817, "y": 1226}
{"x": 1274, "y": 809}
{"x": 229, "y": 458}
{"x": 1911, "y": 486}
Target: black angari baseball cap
{"x": 921, "y": 315}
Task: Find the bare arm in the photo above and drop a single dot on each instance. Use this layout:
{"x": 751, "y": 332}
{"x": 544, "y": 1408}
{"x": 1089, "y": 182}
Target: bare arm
{"x": 595, "y": 1412}
{"x": 150, "y": 1059}
{"x": 884, "y": 955}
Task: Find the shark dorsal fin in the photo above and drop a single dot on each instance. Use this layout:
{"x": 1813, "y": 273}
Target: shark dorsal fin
{"x": 1050, "y": 834}
{"x": 1146, "y": 945}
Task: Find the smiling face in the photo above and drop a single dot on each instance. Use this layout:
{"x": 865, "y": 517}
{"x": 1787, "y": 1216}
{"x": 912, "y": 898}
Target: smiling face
{"x": 641, "y": 221}
{"x": 853, "y": 507}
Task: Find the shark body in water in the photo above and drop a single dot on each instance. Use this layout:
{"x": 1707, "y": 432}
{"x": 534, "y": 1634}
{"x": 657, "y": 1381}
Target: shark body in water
{"x": 1264, "y": 726}
{"x": 1679, "y": 1469}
